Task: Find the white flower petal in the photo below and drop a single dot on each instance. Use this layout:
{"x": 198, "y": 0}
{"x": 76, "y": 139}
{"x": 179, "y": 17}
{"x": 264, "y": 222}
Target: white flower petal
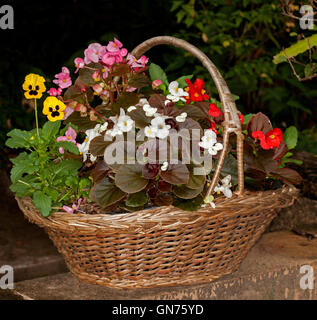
{"x": 131, "y": 108}
{"x": 164, "y": 166}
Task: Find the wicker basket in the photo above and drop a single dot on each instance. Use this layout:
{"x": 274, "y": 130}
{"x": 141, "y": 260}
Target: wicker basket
{"x": 166, "y": 246}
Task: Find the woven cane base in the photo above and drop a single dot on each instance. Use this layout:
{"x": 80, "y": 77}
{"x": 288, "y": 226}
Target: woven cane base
{"x": 161, "y": 246}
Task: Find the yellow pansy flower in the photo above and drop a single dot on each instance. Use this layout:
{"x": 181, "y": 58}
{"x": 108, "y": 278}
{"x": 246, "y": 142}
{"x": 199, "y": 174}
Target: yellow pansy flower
{"x": 53, "y": 109}
{"x": 33, "y": 86}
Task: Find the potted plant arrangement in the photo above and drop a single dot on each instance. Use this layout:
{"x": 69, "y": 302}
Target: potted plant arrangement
{"x": 138, "y": 180}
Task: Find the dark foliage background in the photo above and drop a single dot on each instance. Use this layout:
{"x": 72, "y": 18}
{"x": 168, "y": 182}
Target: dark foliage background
{"x": 50, "y": 34}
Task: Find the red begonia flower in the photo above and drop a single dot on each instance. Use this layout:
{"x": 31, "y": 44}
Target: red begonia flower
{"x": 214, "y": 110}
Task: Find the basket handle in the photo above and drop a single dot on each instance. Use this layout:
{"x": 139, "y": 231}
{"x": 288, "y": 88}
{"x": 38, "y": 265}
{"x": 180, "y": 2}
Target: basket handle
{"x": 231, "y": 123}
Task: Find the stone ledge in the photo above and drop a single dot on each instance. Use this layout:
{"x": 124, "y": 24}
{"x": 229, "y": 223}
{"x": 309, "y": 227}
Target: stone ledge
{"x": 270, "y": 271}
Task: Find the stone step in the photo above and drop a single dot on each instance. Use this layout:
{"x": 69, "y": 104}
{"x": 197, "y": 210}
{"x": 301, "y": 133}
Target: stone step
{"x": 23, "y": 245}
{"x": 270, "y": 271}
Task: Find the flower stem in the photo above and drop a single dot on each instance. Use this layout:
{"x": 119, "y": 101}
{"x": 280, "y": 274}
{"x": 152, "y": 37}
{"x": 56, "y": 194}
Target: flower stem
{"x": 36, "y": 119}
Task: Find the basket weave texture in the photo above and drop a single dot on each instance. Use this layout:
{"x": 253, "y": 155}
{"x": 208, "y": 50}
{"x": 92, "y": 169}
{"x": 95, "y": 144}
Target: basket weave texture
{"x": 161, "y": 246}
{"x": 165, "y": 246}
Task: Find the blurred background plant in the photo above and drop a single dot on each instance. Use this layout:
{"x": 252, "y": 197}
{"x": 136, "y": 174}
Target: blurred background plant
{"x": 240, "y": 36}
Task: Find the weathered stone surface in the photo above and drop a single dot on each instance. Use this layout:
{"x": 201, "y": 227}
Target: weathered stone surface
{"x": 270, "y": 271}
{"x": 303, "y": 212}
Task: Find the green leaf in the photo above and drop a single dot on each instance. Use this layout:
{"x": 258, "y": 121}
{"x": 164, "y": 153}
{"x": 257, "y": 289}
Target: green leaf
{"x": 309, "y": 69}
{"x": 139, "y": 80}
{"x": 126, "y": 100}
{"x": 23, "y": 163}
{"x": 181, "y": 80}
{"x": 68, "y": 166}
{"x": 247, "y": 118}
{"x": 50, "y": 129}
{"x": 68, "y": 146}
{"x": 287, "y": 175}
{"x": 26, "y": 185}
{"x": 163, "y": 199}
{"x": 193, "y": 112}
{"x": 156, "y": 72}
{"x": 83, "y": 123}
{"x": 120, "y": 70}
{"x": 189, "y": 205}
{"x": 139, "y": 117}
{"x": 259, "y": 122}
{"x": 98, "y": 146}
{"x": 19, "y": 139}
{"x": 295, "y": 49}
{"x": 230, "y": 166}
{"x": 42, "y": 202}
{"x": 129, "y": 178}
{"x": 195, "y": 181}
{"x": 105, "y": 193}
{"x": 137, "y": 199}
{"x": 85, "y": 74}
{"x": 235, "y": 97}
{"x": 176, "y": 174}
{"x": 291, "y": 137}
{"x": 184, "y": 192}
{"x": 21, "y": 189}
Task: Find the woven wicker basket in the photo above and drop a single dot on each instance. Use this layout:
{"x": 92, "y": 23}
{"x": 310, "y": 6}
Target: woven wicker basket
{"x": 166, "y": 246}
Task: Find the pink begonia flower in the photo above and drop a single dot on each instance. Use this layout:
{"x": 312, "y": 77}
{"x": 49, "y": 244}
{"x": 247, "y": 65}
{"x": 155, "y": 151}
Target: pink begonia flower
{"x": 79, "y": 63}
{"x": 63, "y": 79}
{"x": 70, "y": 136}
{"x": 67, "y": 112}
{"x": 134, "y": 63}
{"x": 94, "y": 52}
{"x": 109, "y": 58}
{"x": 97, "y": 88}
{"x": 114, "y": 46}
{"x": 74, "y": 207}
{"x": 105, "y": 73}
{"x": 123, "y": 52}
{"x": 55, "y": 92}
{"x": 130, "y": 89}
{"x": 143, "y": 60}
{"x": 96, "y": 75}
{"x": 156, "y": 83}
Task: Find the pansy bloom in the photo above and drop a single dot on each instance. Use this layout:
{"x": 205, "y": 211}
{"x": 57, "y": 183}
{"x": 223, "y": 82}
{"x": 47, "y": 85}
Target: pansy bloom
{"x": 270, "y": 140}
{"x": 53, "y": 109}
{"x": 33, "y": 86}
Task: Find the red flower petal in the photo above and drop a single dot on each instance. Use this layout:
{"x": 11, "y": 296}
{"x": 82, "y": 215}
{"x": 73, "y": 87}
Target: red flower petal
{"x": 258, "y": 135}
{"x": 213, "y": 110}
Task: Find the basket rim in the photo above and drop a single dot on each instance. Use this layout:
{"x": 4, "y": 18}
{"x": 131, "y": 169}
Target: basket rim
{"x": 164, "y": 216}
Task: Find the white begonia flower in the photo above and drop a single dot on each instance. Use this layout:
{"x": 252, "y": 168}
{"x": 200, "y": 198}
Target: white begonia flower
{"x": 164, "y": 166}
{"x": 159, "y": 127}
{"x": 176, "y": 93}
{"x": 101, "y": 127}
{"x": 122, "y": 123}
{"x": 142, "y": 102}
{"x": 225, "y": 187}
{"x": 84, "y": 147}
{"x": 209, "y": 141}
{"x": 149, "y": 111}
{"x": 182, "y": 117}
{"x": 131, "y": 108}
{"x": 150, "y": 132}
{"x": 209, "y": 200}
